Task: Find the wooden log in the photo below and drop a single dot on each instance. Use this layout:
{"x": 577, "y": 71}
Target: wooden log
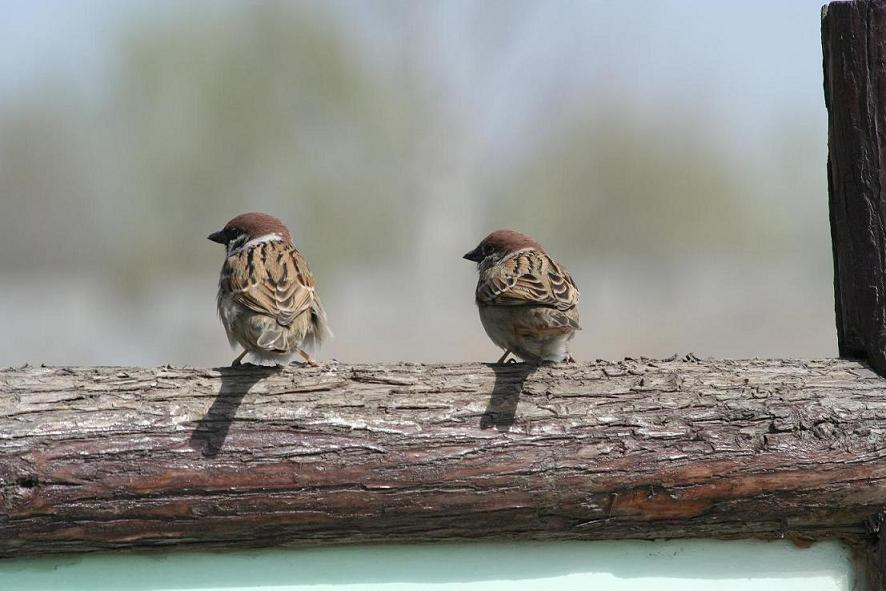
{"x": 854, "y": 48}
{"x": 134, "y": 458}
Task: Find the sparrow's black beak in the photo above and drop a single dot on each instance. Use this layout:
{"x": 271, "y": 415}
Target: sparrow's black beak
{"x": 219, "y": 237}
{"x": 474, "y": 255}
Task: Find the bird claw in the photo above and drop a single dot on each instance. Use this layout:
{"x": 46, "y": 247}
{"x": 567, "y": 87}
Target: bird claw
{"x": 238, "y": 361}
{"x": 310, "y": 363}
{"x": 308, "y": 359}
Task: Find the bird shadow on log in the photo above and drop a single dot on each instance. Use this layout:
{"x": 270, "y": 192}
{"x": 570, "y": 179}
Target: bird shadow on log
{"x": 212, "y": 430}
{"x": 509, "y": 380}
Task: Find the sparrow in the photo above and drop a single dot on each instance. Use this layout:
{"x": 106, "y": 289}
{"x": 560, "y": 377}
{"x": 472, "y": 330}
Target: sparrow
{"x": 528, "y": 303}
{"x": 266, "y": 293}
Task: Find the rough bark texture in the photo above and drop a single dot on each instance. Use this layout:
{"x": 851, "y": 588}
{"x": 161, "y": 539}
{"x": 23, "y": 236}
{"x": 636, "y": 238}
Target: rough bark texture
{"x": 854, "y": 45}
{"x": 100, "y": 458}
{"x": 854, "y": 49}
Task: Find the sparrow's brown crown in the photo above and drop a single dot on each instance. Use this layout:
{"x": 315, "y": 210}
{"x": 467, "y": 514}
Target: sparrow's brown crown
{"x": 251, "y": 225}
{"x": 502, "y": 242}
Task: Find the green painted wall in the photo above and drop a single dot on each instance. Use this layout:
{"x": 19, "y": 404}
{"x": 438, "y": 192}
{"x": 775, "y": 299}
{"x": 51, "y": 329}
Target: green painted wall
{"x": 597, "y": 566}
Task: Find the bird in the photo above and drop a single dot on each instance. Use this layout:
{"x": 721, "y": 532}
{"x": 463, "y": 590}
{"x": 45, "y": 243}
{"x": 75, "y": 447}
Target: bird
{"x": 267, "y": 298}
{"x": 528, "y": 302}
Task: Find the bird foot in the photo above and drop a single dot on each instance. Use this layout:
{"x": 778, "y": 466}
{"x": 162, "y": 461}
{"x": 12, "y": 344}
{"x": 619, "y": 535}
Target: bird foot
{"x": 308, "y": 359}
{"x": 238, "y": 361}
{"x": 504, "y": 358}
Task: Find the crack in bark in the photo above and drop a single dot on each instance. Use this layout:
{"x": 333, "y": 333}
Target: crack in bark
{"x": 247, "y": 456}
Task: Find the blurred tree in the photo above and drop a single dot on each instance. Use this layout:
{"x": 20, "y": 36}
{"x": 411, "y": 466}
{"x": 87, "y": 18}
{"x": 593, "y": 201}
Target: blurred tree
{"x": 389, "y": 135}
{"x": 264, "y": 107}
{"x": 607, "y": 182}
{"x": 52, "y": 177}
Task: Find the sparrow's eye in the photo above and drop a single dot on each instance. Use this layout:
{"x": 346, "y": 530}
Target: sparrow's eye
{"x": 236, "y": 237}
{"x": 487, "y": 250}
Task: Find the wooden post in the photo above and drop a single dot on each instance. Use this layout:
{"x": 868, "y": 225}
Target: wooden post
{"x": 854, "y": 47}
{"x": 853, "y": 38}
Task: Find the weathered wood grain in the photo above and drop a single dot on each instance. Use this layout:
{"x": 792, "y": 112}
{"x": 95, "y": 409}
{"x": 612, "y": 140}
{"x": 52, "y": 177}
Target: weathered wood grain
{"x": 102, "y": 458}
{"x": 854, "y": 47}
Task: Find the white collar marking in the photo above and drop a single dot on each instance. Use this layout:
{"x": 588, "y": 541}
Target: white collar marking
{"x": 264, "y": 238}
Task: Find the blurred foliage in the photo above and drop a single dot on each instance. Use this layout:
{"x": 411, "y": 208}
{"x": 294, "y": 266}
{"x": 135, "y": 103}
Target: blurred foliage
{"x": 51, "y": 182}
{"x": 279, "y": 107}
{"x": 627, "y": 186}
{"x": 267, "y": 107}
{"x": 388, "y": 136}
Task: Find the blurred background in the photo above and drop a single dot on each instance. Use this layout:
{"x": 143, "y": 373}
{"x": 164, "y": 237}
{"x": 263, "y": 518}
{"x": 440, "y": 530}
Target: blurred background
{"x": 670, "y": 154}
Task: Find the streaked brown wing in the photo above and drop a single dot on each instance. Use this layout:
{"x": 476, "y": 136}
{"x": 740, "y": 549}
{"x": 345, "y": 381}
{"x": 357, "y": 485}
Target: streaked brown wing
{"x": 272, "y": 278}
{"x": 540, "y": 321}
{"x": 527, "y": 278}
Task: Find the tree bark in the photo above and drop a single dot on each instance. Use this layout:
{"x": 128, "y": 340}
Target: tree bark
{"x": 102, "y": 458}
{"x": 854, "y": 47}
